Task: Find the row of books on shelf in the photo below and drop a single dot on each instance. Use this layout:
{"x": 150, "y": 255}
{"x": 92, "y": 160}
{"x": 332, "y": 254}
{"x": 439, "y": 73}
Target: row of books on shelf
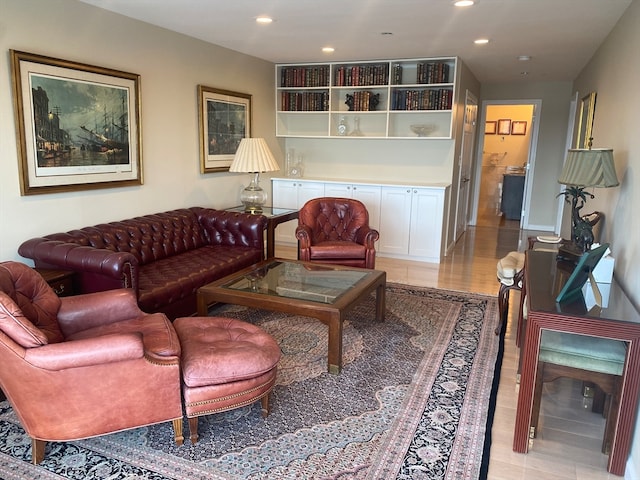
{"x": 426, "y": 72}
{"x": 305, "y": 76}
{"x": 304, "y": 101}
{"x": 362, "y": 101}
{"x": 433, "y": 72}
{"x": 431, "y": 99}
{"x": 361, "y": 75}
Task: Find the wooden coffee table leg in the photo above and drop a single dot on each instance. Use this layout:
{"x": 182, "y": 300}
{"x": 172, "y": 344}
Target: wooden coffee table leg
{"x": 203, "y": 307}
{"x": 335, "y": 344}
{"x": 381, "y": 302}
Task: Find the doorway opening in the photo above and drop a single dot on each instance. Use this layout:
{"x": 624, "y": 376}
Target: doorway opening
{"x": 504, "y": 164}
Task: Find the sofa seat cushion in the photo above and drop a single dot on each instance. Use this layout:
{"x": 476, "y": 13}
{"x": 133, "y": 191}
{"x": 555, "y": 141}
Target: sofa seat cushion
{"x": 158, "y": 335}
{"x": 337, "y": 249}
{"x": 171, "y": 279}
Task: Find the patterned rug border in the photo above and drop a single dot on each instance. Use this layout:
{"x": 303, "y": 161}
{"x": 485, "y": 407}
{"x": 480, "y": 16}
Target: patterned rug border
{"x": 469, "y": 450}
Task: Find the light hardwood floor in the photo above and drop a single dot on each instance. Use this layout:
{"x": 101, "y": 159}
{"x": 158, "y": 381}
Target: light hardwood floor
{"x": 568, "y": 445}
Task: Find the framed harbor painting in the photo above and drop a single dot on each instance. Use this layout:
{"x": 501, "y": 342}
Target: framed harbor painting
{"x": 78, "y": 125}
{"x": 224, "y": 119}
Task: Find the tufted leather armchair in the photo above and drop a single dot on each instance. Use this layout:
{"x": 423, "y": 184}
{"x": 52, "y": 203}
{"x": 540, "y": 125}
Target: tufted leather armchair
{"x": 336, "y": 230}
{"x": 83, "y": 366}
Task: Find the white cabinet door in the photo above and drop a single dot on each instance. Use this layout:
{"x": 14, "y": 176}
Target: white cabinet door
{"x": 338, "y": 190}
{"x": 285, "y": 193}
{"x": 425, "y": 236}
{"x": 293, "y": 194}
{"x": 309, "y": 190}
{"x": 371, "y": 196}
{"x": 395, "y": 215}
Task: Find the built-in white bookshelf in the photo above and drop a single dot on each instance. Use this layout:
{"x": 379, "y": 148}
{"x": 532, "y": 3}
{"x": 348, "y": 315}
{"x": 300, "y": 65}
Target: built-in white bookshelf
{"x": 409, "y": 98}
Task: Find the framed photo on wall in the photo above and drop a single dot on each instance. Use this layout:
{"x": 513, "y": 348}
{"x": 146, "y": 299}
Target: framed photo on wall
{"x": 78, "y": 125}
{"x": 490, "y": 127}
{"x": 518, "y": 127}
{"x": 585, "y": 124}
{"x": 504, "y": 126}
{"x": 224, "y": 119}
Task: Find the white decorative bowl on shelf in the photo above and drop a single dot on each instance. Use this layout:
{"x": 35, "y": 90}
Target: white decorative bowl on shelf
{"x": 422, "y": 130}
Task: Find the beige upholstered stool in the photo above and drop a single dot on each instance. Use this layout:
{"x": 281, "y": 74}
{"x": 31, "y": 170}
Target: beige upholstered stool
{"x": 226, "y": 364}
{"x": 510, "y": 273}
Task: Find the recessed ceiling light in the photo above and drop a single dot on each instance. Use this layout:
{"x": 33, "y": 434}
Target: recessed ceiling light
{"x": 524, "y": 74}
{"x": 481, "y": 41}
{"x": 524, "y": 58}
{"x": 463, "y": 3}
{"x": 263, "y": 19}
{"x": 328, "y": 49}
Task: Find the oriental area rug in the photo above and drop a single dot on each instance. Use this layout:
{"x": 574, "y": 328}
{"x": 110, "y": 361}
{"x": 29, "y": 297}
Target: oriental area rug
{"x": 412, "y": 402}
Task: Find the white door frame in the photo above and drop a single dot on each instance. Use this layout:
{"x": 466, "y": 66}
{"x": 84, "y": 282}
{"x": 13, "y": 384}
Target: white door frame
{"x": 470, "y": 122}
{"x": 533, "y": 145}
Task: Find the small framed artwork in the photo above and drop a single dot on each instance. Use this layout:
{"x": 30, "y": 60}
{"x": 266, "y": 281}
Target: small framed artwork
{"x": 518, "y": 128}
{"x": 490, "y": 127}
{"x": 78, "y": 125}
{"x": 504, "y": 126}
{"x": 225, "y": 119}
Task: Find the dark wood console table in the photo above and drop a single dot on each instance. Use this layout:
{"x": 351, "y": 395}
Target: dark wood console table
{"x": 618, "y": 320}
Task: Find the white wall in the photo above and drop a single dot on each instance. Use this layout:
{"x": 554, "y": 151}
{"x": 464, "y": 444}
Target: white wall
{"x": 614, "y": 73}
{"x": 171, "y": 66}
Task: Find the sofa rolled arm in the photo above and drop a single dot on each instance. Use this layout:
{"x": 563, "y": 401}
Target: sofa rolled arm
{"x": 232, "y": 228}
{"x": 303, "y": 234}
{"x": 81, "y": 312}
{"x": 367, "y": 236}
{"x": 116, "y": 269}
{"x": 87, "y": 352}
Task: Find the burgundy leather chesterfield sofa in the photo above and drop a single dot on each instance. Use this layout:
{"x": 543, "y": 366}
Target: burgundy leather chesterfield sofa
{"x": 164, "y": 257}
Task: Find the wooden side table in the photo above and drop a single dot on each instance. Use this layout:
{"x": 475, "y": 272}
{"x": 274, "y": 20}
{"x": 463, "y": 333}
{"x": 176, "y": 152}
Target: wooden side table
{"x": 60, "y": 280}
{"x": 617, "y": 319}
{"x": 275, "y": 216}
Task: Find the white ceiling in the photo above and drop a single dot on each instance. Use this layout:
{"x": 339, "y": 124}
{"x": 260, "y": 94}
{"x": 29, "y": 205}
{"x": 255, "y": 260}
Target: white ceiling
{"x": 560, "y": 35}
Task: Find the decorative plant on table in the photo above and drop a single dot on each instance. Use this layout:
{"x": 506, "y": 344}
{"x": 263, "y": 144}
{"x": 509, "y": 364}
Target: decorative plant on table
{"x": 581, "y": 229}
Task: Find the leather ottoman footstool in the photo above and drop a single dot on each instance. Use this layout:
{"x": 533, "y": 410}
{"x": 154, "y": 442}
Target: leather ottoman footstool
{"x": 226, "y": 364}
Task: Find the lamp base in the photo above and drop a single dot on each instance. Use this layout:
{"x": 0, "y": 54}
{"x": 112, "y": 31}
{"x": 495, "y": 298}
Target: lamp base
{"x": 253, "y": 209}
{"x": 569, "y": 252}
{"x": 253, "y": 197}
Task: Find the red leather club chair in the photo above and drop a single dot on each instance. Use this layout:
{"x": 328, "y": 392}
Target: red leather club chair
{"x": 336, "y": 230}
{"x": 83, "y": 366}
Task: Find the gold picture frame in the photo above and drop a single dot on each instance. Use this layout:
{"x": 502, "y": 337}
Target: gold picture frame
{"x": 224, "y": 119}
{"x": 78, "y": 125}
{"x": 585, "y": 121}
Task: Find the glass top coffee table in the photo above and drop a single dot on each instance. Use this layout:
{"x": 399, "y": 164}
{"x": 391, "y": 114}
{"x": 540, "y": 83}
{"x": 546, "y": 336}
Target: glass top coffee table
{"x": 321, "y": 291}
